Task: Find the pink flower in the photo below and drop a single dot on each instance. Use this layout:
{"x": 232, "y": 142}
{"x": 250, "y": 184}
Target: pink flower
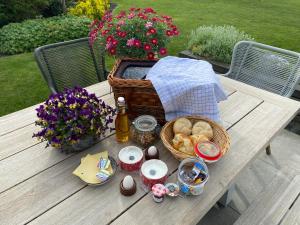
{"x": 167, "y": 18}
{"x": 114, "y": 42}
{"x": 148, "y": 24}
{"x": 130, "y": 42}
{"x": 175, "y": 32}
{"x": 152, "y": 30}
{"x": 147, "y": 47}
{"x": 137, "y": 43}
{"x": 169, "y": 33}
{"x": 142, "y": 16}
{"x": 109, "y": 38}
{"x": 150, "y": 55}
{"x": 112, "y": 51}
{"x": 108, "y": 45}
{"x": 131, "y": 15}
{"x": 121, "y": 15}
{"x": 162, "y": 51}
{"x": 149, "y": 10}
{"x": 121, "y": 22}
{"x": 104, "y": 32}
{"x": 154, "y": 41}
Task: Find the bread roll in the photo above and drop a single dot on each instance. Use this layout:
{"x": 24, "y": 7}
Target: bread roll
{"x": 183, "y": 143}
{"x": 183, "y": 126}
{"x": 202, "y": 127}
{"x": 198, "y": 138}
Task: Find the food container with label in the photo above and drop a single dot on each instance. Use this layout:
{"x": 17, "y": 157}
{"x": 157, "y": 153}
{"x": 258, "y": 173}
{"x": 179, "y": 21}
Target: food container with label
{"x": 192, "y": 176}
{"x": 144, "y": 130}
{"x": 153, "y": 172}
{"x": 131, "y": 158}
{"x": 208, "y": 151}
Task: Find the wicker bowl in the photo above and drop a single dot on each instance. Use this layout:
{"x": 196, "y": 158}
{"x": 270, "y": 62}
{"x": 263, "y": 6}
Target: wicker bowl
{"x": 221, "y": 137}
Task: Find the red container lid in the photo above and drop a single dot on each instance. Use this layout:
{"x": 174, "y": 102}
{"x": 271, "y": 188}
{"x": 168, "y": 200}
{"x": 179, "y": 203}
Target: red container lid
{"x": 208, "y": 151}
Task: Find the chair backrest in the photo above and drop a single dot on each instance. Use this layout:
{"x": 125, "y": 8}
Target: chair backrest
{"x": 266, "y": 67}
{"x": 71, "y": 63}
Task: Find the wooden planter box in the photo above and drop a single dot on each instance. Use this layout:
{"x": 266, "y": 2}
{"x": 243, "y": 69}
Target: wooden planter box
{"x": 218, "y": 67}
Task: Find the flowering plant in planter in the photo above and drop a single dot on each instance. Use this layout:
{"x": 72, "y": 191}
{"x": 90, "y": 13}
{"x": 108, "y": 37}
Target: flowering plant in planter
{"x": 137, "y": 33}
{"x": 69, "y": 117}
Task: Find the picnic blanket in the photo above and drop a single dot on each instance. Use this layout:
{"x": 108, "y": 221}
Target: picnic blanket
{"x": 187, "y": 87}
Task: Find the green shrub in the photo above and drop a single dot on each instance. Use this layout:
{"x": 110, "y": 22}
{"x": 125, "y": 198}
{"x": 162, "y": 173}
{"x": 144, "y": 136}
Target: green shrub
{"x": 26, "y": 36}
{"x": 18, "y": 10}
{"x": 215, "y": 42}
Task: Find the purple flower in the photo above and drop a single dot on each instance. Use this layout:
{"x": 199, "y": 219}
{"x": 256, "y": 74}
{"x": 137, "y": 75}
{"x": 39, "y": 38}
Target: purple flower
{"x": 66, "y": 117}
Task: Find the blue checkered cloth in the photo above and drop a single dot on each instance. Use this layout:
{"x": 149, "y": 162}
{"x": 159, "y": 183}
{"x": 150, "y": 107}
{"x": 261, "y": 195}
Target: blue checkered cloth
{"x": 187, "y": 87}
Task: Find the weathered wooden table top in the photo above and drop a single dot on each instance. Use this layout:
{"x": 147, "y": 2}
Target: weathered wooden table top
{"x": 37, "y": 185}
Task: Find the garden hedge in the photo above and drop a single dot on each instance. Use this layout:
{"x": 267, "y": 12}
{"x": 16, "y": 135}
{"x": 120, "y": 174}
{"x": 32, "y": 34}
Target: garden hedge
{"x": 26, "y": 36}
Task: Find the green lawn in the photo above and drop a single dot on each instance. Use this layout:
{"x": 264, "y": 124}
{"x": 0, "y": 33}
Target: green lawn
{"x": 274, "y": 22}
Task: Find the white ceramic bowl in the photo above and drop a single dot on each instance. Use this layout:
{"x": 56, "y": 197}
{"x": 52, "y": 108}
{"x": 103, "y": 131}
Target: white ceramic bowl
{"x": 131, "y": 158}
{"x": 154, "y": 171}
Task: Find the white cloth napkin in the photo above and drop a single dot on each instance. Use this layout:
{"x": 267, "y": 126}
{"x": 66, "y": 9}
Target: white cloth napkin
{"x": 187, "y": 87}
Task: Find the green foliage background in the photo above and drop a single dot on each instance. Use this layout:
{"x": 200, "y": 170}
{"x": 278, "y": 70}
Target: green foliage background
{"x": 26, "y": 36}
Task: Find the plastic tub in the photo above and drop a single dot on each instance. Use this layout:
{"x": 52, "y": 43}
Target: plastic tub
{"x": 185, "y": 168}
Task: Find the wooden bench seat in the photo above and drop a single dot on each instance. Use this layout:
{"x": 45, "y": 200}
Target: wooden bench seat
{"x": 279, "y": 204}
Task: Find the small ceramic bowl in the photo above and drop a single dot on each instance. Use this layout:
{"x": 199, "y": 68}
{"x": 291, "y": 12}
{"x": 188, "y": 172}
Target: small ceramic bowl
{"x": 131, "y": 158}
{"x": 153, "y": 171}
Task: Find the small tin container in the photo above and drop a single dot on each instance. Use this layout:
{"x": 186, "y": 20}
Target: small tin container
{"x": 131, "y": 158}
{"x": 153, "y": 172}
{"x": 172, "y": 189}
{"x": 190, "y": 181}
{"x": 208, "y": 151}
{"x": 144, "y": 130}
{"x": 158, "y": 192}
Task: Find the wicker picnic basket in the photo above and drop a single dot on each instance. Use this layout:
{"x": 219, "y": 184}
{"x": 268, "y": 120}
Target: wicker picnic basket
{"x": 140, "y": 95}
{"x": 221, "y": 137}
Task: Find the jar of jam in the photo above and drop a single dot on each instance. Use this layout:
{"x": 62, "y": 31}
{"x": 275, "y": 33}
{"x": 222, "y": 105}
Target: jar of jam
{"x": 144, "y": 130}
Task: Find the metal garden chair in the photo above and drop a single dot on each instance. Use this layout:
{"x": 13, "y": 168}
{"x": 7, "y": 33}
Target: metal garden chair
{"x": 71, "y": 63}
{"x": 266, "y": 67}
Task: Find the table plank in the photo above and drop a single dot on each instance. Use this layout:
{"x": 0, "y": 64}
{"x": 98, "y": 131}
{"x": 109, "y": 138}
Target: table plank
{"x": 248, "y": 138}
{"x": 19, "y": 167}
{"x": 27, "y": 116}
{"x": 14, "y": 142}
{"x": 236, "y": 107}
{"x": 94, "y": 210}
{"x": 275, "y": 99}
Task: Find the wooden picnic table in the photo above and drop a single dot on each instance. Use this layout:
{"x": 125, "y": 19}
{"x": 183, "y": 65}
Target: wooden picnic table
{"x": 37, "y": 185}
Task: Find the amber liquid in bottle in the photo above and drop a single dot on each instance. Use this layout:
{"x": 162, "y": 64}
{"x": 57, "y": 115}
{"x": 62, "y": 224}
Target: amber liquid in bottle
{"x": 122, "y": 122}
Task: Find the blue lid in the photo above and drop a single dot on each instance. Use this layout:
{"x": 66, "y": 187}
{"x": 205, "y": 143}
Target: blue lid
{"x": 184, "y": 189}
{"x": 199, "y": 166}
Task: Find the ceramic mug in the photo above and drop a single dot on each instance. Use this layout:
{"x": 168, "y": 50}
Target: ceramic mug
{"x": 153, "y": 172}
{"x": 131, "y": 158}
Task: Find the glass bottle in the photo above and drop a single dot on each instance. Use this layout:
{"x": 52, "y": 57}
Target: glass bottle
{"x": 122, "y": 122}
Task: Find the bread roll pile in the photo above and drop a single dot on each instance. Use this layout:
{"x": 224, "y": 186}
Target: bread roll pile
{"x": 187, "y": 135}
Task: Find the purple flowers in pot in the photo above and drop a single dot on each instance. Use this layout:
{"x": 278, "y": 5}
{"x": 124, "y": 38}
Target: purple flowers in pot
{"x": 68, "y": 117}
